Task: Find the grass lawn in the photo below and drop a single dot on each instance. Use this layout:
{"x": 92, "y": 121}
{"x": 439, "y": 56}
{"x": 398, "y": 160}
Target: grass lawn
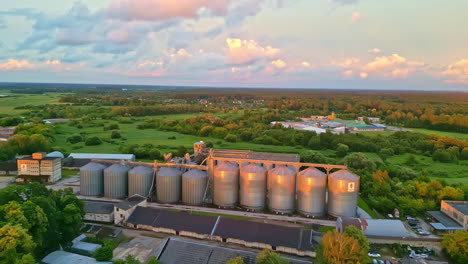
{"x": 132, "y": 135}
{"x": 8, "y": 104}
{"x": 364, "y": 206}
{"x": 463, "y": 136}
{"x": 68, "y": 173}
{"x": 451, "y": 172}
{"x": 325, "y": 229}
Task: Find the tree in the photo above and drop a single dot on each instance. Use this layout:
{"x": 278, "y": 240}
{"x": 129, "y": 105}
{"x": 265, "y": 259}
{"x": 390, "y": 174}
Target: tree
{"x": 103, "y": 254}
{"x": 268, "y": 256}
{"x": 153, "y": 260}
{"x": 236, "y": 260}
{"x": 93, "y": 141}
{"x": 181, "y": 151}
{"x": 354, "y": 232}
{"x": 311, "y": 156}
{"x": 342, "y": 150}
{"x": 230, "y": 138}
{"x": 337, "y": 248}
{"x": 38, "y": 221}
{"x": 442, "y": 156}
{"x": 15, "y": 244}
{"x": 130, "y": 259}
{"x": 75, "y": 138}
{"x": 456, "y": 246}
{"x": 359, "y": 161}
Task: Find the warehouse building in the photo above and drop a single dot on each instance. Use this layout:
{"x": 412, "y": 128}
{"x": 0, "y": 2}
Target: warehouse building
{"x": 39, "y": 167}
{"x": 249, "y": 234}
{"x": 453, "y": 216}
{"x": 183, "y": 251}
{"x": 63, "y": 257}
{"x": 374, "y": 227}
{"x": 81, "y": 159}
{"x": 99, "y": 211}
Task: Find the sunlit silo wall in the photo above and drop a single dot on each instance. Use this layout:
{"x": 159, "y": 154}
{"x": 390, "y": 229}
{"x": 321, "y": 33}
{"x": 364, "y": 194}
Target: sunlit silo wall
{"x": 226, "y": 184}
{"x": 116, "y": 181}
{"x": 168, "y": 185}
{"x": 140, "y": 180}
{"x": 253, "y": 186}
{"x": 311, "y": 192}
{"x": 194, "y": 187}
{"x": 92, "y": 179}
{"x": 281, "y": 191}
{"x": 343, "y": 189}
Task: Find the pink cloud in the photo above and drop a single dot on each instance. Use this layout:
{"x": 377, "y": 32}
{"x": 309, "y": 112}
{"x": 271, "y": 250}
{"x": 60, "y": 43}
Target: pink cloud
{"x": 165, "y": 9}
{"x": 348, "y": 62}
{"x": 16, "y": 65}
{"x": 457, "y": 73}
{"x": 392, "y": 66}
{"x": 356, "y": 16}
{"x": 243, "y": 52}
{"x": 374, "y": 50}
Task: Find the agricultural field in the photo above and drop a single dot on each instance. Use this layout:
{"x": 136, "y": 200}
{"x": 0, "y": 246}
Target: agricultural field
{"x": 8, "y": 104}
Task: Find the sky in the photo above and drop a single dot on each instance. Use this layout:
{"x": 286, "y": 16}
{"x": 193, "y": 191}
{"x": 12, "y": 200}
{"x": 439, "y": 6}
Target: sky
{"x": 341, "y": 44}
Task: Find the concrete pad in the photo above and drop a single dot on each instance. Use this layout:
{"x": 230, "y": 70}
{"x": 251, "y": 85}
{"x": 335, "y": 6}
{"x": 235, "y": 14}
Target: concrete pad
{"x": 142, "y": 248}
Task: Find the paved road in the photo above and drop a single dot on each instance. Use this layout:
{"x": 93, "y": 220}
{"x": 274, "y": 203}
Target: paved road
{"x": 295, "y": 219}
{"x": 5, "y": 181}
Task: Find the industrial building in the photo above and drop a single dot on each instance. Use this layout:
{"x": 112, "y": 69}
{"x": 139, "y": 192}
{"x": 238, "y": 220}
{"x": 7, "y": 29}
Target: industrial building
{"x": 99, "y": 211}
{"x": 453, "y": 216}
{"x": 184, "y": 251}
{"x": 6, "y": 133}
{"x": 39, "y": 167}
{"x": 63, "y": 257}
{"x": 250, "y": 234}
{"x": 125, "y": 208}
{"x": 254, "y": 181}
{"x": 374, "y": 227}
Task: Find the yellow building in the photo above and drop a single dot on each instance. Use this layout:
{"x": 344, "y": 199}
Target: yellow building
{"x": 40, "y": 168}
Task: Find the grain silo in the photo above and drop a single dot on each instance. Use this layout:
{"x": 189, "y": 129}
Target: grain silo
{"x": 312, "y": 184}
{"x": 194, "y": 186}
{"x": 343, "y": 189}
{"x": 92, "y": 179}
{"x": 281, "y": 189}
{"x": 253, "y": 186}
{"x": 226, "y": 184}
{"x": 116, "y": 181}
{"x": 168, "y": 185}
{"x": 140, "y": 180}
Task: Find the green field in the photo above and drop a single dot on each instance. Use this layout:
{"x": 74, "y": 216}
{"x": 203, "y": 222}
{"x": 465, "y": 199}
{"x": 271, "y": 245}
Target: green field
{"x": 450, "y": 172}
{"x": 8, "y": 104}
{"x": 463, "y": 136}
{"x": 364, "y": 206}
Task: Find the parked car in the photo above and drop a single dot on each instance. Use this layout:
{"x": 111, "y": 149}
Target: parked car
{"x": 417, "y": 256}
{"x": 381, "y": 262}
{"x": 423, "y": 232}
{"x": 388, "y": 262}
{"x": 374, "y": 254}
{"x": 374, "y": 261}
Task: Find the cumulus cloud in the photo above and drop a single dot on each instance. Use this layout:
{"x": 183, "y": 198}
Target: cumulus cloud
{"x": 374, "y": 50}
{"x": 347, "y": 62}
{"x": 457, "y": 73}
{"x": 16, "y": 65}
{"x": 243, "y": 52}
{"x": 392, "y": 66}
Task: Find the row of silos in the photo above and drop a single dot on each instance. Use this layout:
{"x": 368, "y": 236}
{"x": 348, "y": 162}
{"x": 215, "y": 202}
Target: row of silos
{"x": 172, "y": 186}
{"x": 115, "y": 181}
{"x": 253, "y": 183}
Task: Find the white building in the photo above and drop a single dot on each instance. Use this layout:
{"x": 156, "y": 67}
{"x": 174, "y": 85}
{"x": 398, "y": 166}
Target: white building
{"x": 99, "y": 211}
{"x": 124, "y": 209}
{"x": 374, "y": 227}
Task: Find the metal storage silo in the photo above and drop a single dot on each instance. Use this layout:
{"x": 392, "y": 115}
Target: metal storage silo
{"x": 140, "y": 180}
{"x": 281, "y": 190}
{"x": 92, "y": 179}
{"x": 168, "y": 185}
{"x": 312, "y": 184}
{"x": 343, "y": 189}
{"x": 253, "y": 186}
{"x": 116, "y": 181}
{"x": 194, "y": 186}
{"x": 226, "y": 184}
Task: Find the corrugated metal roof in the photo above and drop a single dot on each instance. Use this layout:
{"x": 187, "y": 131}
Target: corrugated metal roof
{"x": 444, "y": 219}
{"x": 130, "y": 202}
{"x": 98, "y": 207}
{"x": 248, "y": 154}
{"x": 377, "y": 227}
{"x": 461, "y": 206}
{"x": 62, "y": 257}
{"x": 102, "y": 156}
{"x": 183, "y": 251}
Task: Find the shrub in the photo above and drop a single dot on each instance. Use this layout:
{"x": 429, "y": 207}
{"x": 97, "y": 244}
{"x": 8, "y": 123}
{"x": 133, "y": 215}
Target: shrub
{"x": 231, "y": 138}
{"x": 93, "y": 141}
{"x": 75, "y": 138}
{"x": 311, "y": 156}
{"x": 111, "y": 127}
{"x": 115, "y": 134}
